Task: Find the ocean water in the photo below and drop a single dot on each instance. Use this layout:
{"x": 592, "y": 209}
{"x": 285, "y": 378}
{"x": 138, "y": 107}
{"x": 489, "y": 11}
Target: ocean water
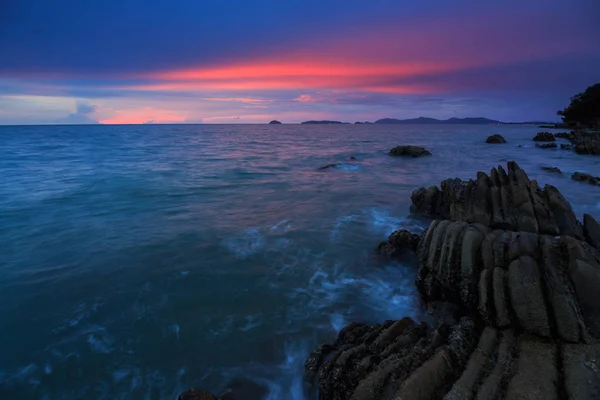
{"x": 138, "y": 261}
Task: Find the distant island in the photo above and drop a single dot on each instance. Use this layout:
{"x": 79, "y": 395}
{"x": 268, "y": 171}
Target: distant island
{"x": 323, "y": 122}
{"x": 423, "y": 120}
{"x": 274, "y": 122}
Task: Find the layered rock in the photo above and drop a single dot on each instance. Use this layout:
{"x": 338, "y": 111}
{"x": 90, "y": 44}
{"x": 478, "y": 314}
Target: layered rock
{"x": 511, "y": 259}
{"x": 410, "y": 151}
{"x": 502, "y": 200}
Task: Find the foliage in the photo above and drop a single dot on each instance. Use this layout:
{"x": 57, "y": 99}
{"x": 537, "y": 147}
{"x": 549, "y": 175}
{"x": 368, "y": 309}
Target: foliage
{"x": 584, "y": 110}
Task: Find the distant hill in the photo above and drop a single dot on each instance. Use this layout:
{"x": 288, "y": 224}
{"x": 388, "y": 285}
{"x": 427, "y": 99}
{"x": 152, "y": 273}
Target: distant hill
{"x": 423, "y": 120}
{"x": 323, "y": 122}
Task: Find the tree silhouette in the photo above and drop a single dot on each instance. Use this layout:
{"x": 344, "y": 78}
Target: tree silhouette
{"x": 584, "y": 110}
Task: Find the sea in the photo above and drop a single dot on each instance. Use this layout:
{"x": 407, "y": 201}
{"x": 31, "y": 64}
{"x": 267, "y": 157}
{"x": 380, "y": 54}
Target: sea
{"x": 137, "y": 261}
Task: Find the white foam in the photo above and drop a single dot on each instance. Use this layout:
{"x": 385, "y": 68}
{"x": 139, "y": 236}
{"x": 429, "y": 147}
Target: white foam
{"x": 339, "y": 223}
{"x": 337, "y": 321}
{"x": 251, "y": 322}
{"x": 280, "y": 227}
{"x": 350, "y": 167}
{"x": 99, "y": 344}
{"x": 246, "y": 243}
{"x": 381, "y": 222}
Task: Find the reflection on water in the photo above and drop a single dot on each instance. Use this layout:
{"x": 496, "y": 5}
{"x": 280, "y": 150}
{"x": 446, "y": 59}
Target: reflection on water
{"x": 142, "y": 260}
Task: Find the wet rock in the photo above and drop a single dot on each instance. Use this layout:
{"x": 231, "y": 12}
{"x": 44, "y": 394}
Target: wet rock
{"x": 563, "y": 135}
{"x": 546, "y": 146}
{"x": 552, "y": 169}
{"x": 495, "y": 139}
{"x": 352, "y": 158}
{"x": 584, "y": 177}
{"x": 565, "y": 146}
{"x": 544, "y": 137}
{"x": 194, "y": 394}
{"x": 585, "y": 143}
{"x": 399, "y": 243}
{"x": 591, "y": 230}
{"x": 410, "y": 151}
{"x": 328, "y": 166}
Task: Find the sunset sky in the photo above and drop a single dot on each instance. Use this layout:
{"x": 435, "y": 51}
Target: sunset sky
{"x": 250, "y": 61}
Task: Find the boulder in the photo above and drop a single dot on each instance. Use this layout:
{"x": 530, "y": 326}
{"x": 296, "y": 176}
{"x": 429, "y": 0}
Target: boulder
{"x": 552, "y": 169}
{"x": 409, "y": 151}
{"x": 546, "y": 146}
{"x": 399, "y": 243}
{"x": 495, "y": 139}
{"x": 544, "y": 137}
{"x": 584, "y": 177}
{"x": 274, "y": 122}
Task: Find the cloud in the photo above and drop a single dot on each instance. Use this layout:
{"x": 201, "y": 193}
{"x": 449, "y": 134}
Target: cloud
{"x": 83, "y": 115}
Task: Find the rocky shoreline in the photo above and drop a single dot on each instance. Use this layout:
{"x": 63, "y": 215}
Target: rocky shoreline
{"x": 510, "y": 277}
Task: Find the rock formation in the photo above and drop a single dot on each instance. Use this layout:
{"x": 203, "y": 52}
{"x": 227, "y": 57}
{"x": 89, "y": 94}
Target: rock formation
{"x": 544, "y": 137}
{"x": 495, "y": 139}
{"x": 514, "y": 277}
{"x": 399, "y": 243}
{"x": 555, "y": 170}
{"x": 584, "y": 177}
{"x": 274, "y": 122}
{"x": 522, "y": 274}
{"x": 411, "y": 151}
{"x": 582, "y": 142}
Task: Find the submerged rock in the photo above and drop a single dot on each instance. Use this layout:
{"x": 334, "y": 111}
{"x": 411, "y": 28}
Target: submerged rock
{"x": 495, "y": 139}
{"x": 544, "y": 137}
{"x": 328, "y": 166}
{"x": 546, "y": 146}
{"x": 584, "y": 177}
{"x": 565, "y": 146}
{"x": 413, "y": 151}
{"x": 552, "y": 169}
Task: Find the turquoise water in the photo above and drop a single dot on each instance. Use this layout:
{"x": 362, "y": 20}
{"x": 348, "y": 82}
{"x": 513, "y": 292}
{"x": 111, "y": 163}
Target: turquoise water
{"x": 138, "y": 261}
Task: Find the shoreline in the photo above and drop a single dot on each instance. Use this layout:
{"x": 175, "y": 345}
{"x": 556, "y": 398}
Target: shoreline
{"x": 505, "y": 270}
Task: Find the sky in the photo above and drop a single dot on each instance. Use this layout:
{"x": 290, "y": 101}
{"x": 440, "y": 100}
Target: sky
{"x": 251, "y": 61}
